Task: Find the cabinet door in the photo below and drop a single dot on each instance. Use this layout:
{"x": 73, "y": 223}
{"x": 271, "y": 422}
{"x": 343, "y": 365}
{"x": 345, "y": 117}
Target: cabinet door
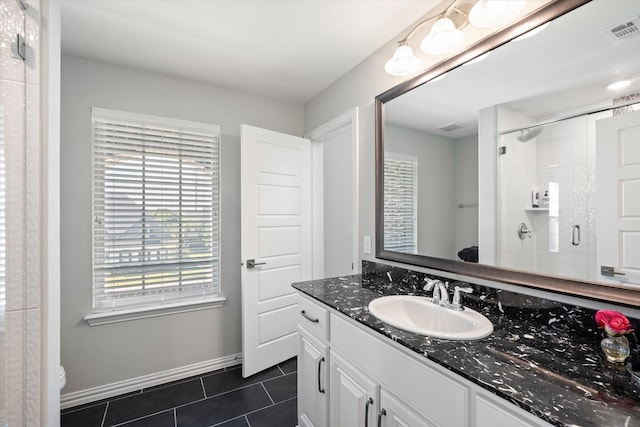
{"x": 394, "y": 413}
{"x": 354, "y": 396}
{"x": 313, "y": 384}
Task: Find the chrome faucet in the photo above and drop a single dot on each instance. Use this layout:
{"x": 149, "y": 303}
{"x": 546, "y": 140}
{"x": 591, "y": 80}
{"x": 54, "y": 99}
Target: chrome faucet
{"x": 440, "y": 294}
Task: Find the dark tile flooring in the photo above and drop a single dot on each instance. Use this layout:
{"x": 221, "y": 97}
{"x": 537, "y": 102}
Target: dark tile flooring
{"x": 221, "y": 398}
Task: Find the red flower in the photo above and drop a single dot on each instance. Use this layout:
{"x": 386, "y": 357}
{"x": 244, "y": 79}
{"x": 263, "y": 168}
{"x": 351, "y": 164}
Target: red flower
{"x": 613, "y": 322}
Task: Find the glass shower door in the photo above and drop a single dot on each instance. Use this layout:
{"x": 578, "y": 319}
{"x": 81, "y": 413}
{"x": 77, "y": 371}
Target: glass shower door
{"x": 546, "y": 187}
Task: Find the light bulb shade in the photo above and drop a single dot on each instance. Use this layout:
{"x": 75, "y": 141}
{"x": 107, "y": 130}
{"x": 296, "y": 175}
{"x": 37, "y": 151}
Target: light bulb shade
{"x": 491, "y": 13}
{"x": 403, "y": 62}
{"x": 443, "y": 38}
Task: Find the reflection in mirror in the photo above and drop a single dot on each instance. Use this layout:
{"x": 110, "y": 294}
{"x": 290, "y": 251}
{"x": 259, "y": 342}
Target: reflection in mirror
{"x": 445, "y": 209}
{"x": 555, "y": 179}
{"x": 538, "y": 112}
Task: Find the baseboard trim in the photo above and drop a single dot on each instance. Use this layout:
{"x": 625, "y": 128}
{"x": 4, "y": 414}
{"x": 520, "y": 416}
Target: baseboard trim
{"x": 81, "y": 397}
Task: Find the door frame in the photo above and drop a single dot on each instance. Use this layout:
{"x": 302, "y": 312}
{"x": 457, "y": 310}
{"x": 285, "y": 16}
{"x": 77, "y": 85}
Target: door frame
{"x": 317, "y": 136}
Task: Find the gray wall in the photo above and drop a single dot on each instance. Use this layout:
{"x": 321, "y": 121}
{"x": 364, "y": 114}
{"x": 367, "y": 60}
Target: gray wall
{"x": 99, "y": 355}
{"x": 436, "y": 185}
{"x": 466, "y": 191}
{"x": 358, "y": 88}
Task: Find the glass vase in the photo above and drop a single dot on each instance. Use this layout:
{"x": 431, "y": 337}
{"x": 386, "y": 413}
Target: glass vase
{"x": 615, "y": 348}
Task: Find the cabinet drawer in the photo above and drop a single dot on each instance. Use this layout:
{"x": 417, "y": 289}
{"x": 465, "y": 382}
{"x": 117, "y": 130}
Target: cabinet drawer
{"x": 313, "y": 317}
{"x": 490, "y": 413}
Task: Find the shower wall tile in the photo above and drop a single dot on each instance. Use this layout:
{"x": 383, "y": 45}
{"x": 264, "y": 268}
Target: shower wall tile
{"x": 583, "y": 213}
{"x": 11, "y": 23}
{"x": 20, "y": 348}
{"x": 579, "y": 141}
{"x": 33, "y": 202}
{"x": 32, "y": 31}
{"x": 522, "y": 154}
{"x": 12, "y": 105}
{"x": 21, "y": 365}
{"x": 519, "y": 260}
{"x": 515, "y": 194}
{"x": 554, "y": 146}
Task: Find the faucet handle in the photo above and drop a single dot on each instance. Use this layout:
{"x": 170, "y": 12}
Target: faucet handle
{"x": 456, "y": 304}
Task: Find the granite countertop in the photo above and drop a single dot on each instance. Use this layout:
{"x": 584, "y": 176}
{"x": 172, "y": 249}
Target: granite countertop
{"x": 543, "y": 356}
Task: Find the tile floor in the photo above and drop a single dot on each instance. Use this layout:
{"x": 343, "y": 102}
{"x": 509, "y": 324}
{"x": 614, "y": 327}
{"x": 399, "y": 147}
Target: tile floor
{"x": 221, "y": 398}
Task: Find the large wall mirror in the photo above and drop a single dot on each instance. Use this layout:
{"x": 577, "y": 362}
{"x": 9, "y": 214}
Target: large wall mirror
{"x": 522, "y": 167}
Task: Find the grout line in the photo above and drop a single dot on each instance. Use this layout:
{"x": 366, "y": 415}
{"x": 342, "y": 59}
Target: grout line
{"x": 204, "y": 391}
{"x": 174, "y": 409}
{"x": 245, "y": 416}
{"x": 230, "y": 419}
{"x": 83, "y": 407}
{"x": 144, "y": 416}
{"x": 104, "y": 416}
{"x": 265, "y": 407}
{"x": 215, "y": 395}
{"x": 265, "y": 390}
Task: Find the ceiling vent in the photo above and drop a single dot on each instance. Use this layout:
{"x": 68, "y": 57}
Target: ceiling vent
{"x": 624, "y": 30}
{"x": 452, "y": 126}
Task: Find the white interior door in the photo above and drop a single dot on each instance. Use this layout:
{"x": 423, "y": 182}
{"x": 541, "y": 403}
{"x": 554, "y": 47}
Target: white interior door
{"x": 276, "y": 243}
{"x": 618, "y": 196}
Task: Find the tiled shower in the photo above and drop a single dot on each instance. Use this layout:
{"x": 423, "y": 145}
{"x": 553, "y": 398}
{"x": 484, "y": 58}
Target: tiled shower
{"x": 20, "y": 210}
{"x": 547, "y": 183}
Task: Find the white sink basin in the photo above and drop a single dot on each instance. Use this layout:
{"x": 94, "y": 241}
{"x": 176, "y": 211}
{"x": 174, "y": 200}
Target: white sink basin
{"x": 420, "y": 316}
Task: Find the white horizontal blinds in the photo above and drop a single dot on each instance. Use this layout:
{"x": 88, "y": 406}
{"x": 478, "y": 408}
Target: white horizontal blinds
{"x": 156, "y": 210}
{"x": 400, "y": 204}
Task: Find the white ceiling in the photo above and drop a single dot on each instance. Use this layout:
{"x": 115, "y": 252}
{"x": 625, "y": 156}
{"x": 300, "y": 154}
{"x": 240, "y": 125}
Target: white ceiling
{"x": 287, "y": 49}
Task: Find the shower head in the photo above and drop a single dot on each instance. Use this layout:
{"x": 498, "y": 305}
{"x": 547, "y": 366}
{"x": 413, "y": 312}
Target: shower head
{"x": 529, "y": 133}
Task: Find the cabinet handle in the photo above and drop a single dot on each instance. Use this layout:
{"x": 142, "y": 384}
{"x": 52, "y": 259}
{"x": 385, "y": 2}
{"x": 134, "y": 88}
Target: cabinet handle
{"x": 366, "y": 412}
{"x": 381, "y": 414}
{"x": 320, "y": 389}
{"x": 309, "y": 318}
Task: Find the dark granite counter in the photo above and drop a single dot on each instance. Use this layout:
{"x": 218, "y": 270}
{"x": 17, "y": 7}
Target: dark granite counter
{"x": 543, "y": 356}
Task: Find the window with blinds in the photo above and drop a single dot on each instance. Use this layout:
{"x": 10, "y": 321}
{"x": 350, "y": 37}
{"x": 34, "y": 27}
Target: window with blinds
{"x": 400, "y": 203}
{"x": 156, "y": 210}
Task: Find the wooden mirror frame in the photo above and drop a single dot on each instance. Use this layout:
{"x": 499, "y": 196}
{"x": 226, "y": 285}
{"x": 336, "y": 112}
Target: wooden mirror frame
{"x": 621, "y": 294}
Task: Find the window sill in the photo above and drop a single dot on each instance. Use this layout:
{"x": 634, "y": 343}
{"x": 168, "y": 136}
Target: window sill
{"x": 104, "y": 318}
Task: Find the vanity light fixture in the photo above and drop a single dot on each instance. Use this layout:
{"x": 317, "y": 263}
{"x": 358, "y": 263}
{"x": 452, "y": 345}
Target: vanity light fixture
{"x": 491, "y": 13}
{"x": 403, "y": 62}
{"x": 446, "y": 33}
{"x": 620, "y": 84}
{"x": 443, "y": 38}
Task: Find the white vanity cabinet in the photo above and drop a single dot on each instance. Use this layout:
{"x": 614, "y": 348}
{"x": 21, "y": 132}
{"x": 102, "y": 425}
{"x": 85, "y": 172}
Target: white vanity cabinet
{"x": 313, "y": 364}
{"x": 354, "y": 395}
{"x": 350, "y": 376}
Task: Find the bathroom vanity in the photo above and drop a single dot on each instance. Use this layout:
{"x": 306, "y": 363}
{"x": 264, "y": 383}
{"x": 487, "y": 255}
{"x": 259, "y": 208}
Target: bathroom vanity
{"x": 541, "y": 366}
